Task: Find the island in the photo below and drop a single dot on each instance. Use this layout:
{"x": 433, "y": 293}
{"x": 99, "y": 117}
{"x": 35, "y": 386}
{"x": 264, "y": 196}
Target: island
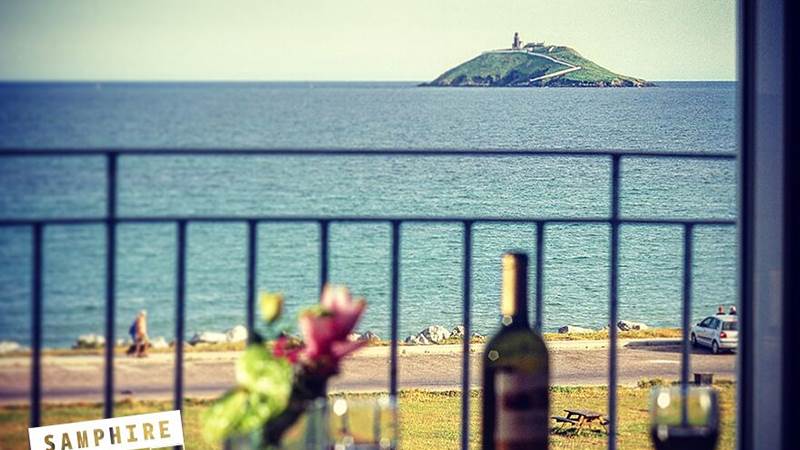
{"x": 534, "y": 64}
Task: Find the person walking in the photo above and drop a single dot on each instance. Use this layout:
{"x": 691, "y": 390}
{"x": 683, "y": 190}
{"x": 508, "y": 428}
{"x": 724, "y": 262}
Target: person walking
{"x": 139, "y": 335}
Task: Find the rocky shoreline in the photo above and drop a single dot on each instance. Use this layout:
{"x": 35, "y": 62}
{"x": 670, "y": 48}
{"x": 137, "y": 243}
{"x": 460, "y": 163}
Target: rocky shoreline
{"x": 431, "y": 335}
{"x": 233, "y": 335}
{"x": 490, "y": 81}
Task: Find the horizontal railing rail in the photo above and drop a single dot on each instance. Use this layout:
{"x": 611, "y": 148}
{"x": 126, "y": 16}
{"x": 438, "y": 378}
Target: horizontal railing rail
{"x": 381, "y": 219}
{"x": 111, "y": 219}
{"x": 362, "y": 152}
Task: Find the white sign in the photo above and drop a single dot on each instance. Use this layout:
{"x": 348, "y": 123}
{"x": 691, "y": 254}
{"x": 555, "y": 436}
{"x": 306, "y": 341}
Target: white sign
{"x": 155, "y": 430}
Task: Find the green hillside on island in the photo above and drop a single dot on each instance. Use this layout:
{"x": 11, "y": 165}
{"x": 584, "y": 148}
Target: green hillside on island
{"x": 534, "y": 65}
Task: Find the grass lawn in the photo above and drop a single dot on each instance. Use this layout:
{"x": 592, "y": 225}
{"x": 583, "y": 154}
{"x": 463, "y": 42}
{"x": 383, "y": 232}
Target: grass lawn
{"x": 429, "y": 420}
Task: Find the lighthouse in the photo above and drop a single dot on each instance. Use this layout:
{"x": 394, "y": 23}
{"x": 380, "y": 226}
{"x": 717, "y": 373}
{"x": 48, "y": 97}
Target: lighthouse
{"x": 516, "y": 45}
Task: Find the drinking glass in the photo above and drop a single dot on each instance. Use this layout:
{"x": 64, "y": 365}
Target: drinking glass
{"x": 684, "y": 417}
{"x": 339, "y": 423}
{"x": 363, "y": 423}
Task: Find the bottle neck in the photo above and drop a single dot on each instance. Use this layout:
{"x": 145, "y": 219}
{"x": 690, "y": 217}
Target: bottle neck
{"x": 518, "y": 319}
{"x": 514, "y": 297}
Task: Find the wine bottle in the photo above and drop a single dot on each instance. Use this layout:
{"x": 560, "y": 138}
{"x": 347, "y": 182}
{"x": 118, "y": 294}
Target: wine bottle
{"x": 516, "y": 370}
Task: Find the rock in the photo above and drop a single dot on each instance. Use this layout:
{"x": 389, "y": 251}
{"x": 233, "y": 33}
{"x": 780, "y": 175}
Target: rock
{"x": 417, "y": 340}
{"x": 354, "y": 337}
{"x": 208, "y": 337}
{"x": 625, "y": 325}
{"x": 369, "y": 336}
{"x": 458, "y": 332}
{"x": 574, "y": 329}
{"x": 435, "y": 333}
{"x": 9, "y": 346}
{"x": 90, "y": 340}
{"x": 159, "y": 342}
{"x": 236, "y": 334}
{"x": 477, "y": 337}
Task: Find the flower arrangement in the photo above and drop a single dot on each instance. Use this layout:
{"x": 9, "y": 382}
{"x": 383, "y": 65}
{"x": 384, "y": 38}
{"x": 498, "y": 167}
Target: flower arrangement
{"x": 274, "y": 387}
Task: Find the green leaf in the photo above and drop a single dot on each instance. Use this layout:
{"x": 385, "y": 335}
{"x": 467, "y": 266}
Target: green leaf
{"x": 271, "y": 306}
{"x": 258, "y": 411}
{"x": 261, "y": 373}
{"x": 265, "y": 385}
{"x": 224, "y": 415}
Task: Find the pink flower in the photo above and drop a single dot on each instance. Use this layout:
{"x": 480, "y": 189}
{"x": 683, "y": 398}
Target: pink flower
{"x": 286, "y": 349}
{"x": 325, "y": 329}
{"x": 337, "y": 301}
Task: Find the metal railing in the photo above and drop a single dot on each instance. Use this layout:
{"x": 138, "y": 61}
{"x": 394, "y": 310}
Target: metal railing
{"x": 112, "y": 219}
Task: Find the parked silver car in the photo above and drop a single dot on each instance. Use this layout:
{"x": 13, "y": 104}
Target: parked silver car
{"x": 720, "y": 332}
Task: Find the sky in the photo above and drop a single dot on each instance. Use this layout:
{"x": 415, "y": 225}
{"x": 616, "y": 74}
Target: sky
{"x": 358, "y": 40}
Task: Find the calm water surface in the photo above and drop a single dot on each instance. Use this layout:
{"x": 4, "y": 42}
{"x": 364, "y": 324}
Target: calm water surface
{"x": 673, "y": 117}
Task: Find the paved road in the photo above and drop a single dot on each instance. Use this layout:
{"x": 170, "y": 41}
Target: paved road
{"x": 540, "y": 55}
{"x": 557, "y": 74}
{"x": 553, "y": 59}
{"x": 79, "y": 378}
{"x": 570, "y": 67}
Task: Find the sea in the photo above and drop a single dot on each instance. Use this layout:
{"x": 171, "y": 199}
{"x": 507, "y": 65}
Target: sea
{"x": 672, "y": 117}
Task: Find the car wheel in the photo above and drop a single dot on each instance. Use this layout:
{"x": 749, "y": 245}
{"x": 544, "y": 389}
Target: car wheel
{"x": 715, "y": 348}
{"x": 693, "y": 340}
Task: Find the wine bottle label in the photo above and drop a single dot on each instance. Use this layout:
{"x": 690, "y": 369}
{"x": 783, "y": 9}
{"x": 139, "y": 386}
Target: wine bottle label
{"x": 522, "y": 410}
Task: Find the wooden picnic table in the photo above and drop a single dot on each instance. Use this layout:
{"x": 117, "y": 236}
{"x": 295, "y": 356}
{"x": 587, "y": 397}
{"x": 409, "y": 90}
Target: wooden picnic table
{"x": 579, "y": 418}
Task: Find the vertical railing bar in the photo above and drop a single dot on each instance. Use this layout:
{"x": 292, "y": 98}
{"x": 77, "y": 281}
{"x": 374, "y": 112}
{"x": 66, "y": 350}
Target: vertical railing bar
{"x": 687, "y": 315}
{"x": 36, "y": 328}
{"x": 111, "y": 252}
{"x": 252, "y": 248}
{"x": 613, "y": 307}
{"x": 395, "y": 308}
{"x": 324, "y": 227}
{"x": 180, "y": 303}
{"x": 747, "y": 93}
{"x": 537, "y": 323}
{"x": 467, "y": 305}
